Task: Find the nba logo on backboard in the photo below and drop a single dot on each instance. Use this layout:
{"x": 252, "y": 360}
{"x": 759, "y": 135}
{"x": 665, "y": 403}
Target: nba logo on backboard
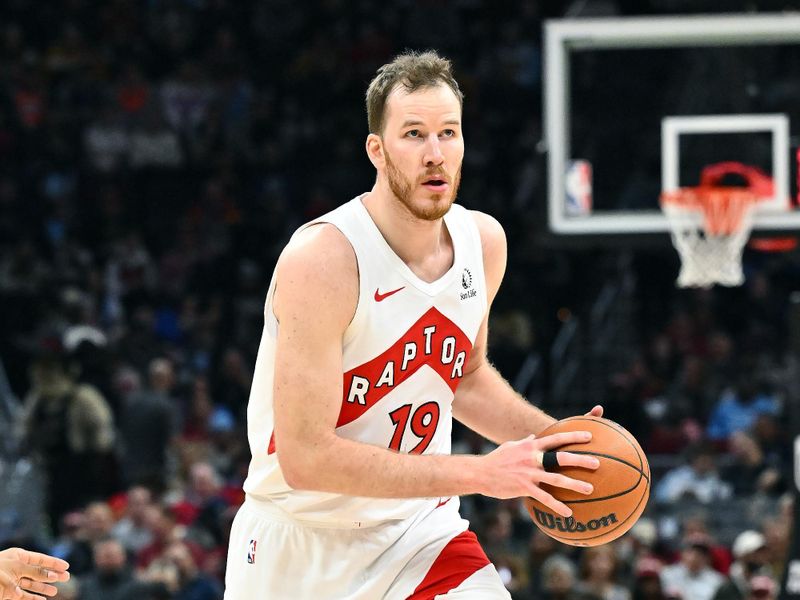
{"x": 251, "y": 553}
{"x": 578, "y": 187}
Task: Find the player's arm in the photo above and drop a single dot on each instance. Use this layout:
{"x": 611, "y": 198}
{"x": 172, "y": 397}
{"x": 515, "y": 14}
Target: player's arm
{"x": 484, "y": 401}
{"x": 315, "y": 300}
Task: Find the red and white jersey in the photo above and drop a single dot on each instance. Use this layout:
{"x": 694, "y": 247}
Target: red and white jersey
{"x": 404, "y": 354}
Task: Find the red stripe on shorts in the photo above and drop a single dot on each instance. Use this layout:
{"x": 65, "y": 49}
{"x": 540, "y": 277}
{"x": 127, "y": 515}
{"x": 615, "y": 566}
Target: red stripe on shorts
{"x": 460, "y": 558}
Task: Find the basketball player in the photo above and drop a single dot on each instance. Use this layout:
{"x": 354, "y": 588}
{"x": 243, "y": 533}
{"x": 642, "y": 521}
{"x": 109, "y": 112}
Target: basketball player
{"x": 23, "y": 572}
{"x": 375, "y": 338}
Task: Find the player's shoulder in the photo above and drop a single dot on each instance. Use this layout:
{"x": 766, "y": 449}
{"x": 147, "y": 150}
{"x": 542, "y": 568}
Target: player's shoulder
{"x": 493, "y": 236}
{"x": 319, "y": 246}
{"x": 493, "y": 246}
{"x": 318, "y": 263}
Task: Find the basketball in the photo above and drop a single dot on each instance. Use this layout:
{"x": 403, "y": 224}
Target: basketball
{"x": 621, "y": 485}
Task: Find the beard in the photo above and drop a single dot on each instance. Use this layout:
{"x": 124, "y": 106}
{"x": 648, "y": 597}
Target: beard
{"x": 403, "y": 189}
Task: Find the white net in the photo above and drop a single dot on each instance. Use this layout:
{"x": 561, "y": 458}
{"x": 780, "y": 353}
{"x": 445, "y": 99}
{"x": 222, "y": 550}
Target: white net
{"x": 710, "y": 251}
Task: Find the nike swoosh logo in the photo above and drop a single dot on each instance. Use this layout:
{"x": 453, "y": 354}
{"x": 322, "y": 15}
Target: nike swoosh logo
{"x": 381, "y": 297}
{"x": 443, "y": 502}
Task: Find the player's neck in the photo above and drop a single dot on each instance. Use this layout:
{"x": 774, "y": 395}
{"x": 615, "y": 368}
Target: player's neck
{"x": 425, "y": 246}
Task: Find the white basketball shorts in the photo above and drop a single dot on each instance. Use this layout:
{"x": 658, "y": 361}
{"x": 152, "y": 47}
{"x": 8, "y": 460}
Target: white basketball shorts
{"x": 429, "y": 556}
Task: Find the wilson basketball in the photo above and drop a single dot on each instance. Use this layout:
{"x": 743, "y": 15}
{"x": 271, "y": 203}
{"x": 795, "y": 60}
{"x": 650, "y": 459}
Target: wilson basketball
{"x": 621, "y": 485}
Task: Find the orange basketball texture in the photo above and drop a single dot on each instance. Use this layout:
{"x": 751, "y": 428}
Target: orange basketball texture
{"x": 621, "y": 485}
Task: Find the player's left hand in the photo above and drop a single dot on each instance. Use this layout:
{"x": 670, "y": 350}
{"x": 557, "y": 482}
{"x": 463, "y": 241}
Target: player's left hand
{"x": 597, "y": 411}
{"x": 26, "y": 575}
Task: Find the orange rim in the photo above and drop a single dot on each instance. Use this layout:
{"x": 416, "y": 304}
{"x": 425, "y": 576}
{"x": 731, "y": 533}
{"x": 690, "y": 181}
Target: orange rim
{"x": 723, "y": 208}
{"x": 779, "y": 244}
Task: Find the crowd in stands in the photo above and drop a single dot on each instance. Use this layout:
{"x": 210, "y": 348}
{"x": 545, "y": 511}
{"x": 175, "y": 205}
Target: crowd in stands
{"x": 154, "y": 159}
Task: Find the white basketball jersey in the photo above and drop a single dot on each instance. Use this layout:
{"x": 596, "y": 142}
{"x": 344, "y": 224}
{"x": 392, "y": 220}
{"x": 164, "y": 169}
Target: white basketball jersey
{"x": 404, "y": 354}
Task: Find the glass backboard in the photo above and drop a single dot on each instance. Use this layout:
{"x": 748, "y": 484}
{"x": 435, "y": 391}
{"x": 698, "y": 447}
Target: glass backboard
{"x": 635, "y": 106}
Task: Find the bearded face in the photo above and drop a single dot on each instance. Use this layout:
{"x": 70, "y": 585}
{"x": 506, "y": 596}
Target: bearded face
{"x": 432, "y": 205}
{"x": 422, "y": 150}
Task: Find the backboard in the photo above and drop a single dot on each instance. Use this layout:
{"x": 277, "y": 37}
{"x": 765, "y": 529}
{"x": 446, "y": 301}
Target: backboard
{"x": 636, "y": 106}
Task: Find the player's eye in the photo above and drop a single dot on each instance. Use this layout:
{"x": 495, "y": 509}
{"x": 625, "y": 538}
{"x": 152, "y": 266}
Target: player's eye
{"x": 414, "y": 133}
{"x": 449, "y": 133}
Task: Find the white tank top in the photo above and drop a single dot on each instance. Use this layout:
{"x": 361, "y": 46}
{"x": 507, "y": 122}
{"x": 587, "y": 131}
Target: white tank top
{"x": 403, "y": 356}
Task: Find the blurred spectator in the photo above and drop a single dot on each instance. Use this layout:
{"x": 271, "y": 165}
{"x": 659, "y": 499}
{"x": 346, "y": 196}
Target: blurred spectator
{"x": 762, "y": 587}
{"x": 696, "y": 525}
{"x": 751, "y": 472}
{"x": 647, "y": 580}
{"x": 88, "y": 350}
{"x": 750, "y": 554}
{"x": 70, "y": 427}
{"x": 30, "y": 100}
{"x": 511, "y": 569}
{"x": 640, "y": 542}
{"x": 96, "y": 524}
{"x": 540, "y": 547}
{"x": 204, "y": 506}
{"x": 192, "y": 584}
{"x": 497, "y": 530}
{"x": 739, "y": 407}
{"x": 113, "y": 578}
{"x": 148, "y": 426}
{"x": 770, "y": 433}
{"x": 196, "y": 426}
{"x": 698, "y": 480}
{"x": 162, "y": 521}
{"x": 176, "y": 570}
{"x": 153, "y": 144}
{"x": 133, "y": 90}
{"x": 107, "y": 142}
{"x": 131, "y": 529}
{"x": 186, "y": 98}
{"x": 599, "y": 572}
{"x": 22, "y": 269}
{"x": 559, "y": 581}
{"x": 130, "y": 271}
{"x": 692, "y": 578}
{"x": 69, "y": 590}
{"x": 70, "y": 533}
{"x": 232, "y": 388}
{"x": 69, "y": 51}
{"x": 778, "y": 536}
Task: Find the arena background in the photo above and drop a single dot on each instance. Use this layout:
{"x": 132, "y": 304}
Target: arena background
{"x": 154, "y": 158}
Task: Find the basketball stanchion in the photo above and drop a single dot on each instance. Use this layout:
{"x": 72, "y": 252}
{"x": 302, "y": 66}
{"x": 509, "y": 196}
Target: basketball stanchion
{"x": 790, "y": 584}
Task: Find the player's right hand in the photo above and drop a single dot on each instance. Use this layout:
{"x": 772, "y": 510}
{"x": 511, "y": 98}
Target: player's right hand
{"x": 514, "y": 469}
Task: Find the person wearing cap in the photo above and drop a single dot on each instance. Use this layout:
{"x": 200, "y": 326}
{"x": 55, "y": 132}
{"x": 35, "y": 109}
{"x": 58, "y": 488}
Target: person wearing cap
{"x": 750, "y": 560}
{"x": 692, "y": 578}
{"x": 24, "y": 574}
{"x": 68, "y": 427}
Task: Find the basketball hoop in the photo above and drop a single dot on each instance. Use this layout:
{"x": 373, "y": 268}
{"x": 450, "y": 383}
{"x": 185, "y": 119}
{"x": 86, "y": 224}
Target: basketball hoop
{"x": 710, "y": 225}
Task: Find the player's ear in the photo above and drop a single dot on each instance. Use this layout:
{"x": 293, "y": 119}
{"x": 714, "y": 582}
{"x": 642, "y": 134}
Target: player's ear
{"x": 375, "y": 150}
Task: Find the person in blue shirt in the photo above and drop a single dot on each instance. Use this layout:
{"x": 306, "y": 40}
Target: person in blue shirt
{"x": 738, "y": 408}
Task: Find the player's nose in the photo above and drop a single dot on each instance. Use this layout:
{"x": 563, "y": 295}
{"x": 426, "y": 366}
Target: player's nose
{"x": 433, "y": 152}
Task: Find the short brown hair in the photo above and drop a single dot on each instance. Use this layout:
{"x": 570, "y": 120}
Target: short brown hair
{"x": 412, "y": 70}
